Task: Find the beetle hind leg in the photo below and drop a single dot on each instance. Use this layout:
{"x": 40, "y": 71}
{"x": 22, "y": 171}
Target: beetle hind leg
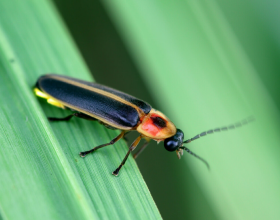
{"x": 76, "y": 114}
{"x": 61, "y": 119}
{"x": 84, "y": 153}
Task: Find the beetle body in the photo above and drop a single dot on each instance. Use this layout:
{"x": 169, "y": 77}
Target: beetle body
{"x": 111, "y": 107}
{"x": 116, "y": 110}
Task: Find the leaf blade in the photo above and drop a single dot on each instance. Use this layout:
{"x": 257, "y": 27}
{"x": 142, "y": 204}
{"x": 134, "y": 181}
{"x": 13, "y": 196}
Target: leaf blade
{"x": 51, "y": 179}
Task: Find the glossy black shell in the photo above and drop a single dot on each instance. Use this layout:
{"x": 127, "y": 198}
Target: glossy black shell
{"x": 92, "y": 103}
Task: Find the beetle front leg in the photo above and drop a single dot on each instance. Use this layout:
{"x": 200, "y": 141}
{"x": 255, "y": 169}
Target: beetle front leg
{"x": 131, "y": 148}
{"x": 83, "y": 154}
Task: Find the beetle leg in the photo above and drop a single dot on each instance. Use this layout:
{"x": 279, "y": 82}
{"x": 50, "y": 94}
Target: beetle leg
{"x": 77, "y": 114}
{"x": 141, "y": 149}
{"x": 131, "y": 148}
{"x": 61, "y": 119}
{"x": 124, "y": 137}
{"x": 83, "y": 154}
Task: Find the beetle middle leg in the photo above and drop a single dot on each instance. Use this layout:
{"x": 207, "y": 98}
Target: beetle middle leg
{"x": 142, "y": 148}
{"x": 131, "y": 148}
{"x": 76, "y": 114}
{"x": 83, "y": 154}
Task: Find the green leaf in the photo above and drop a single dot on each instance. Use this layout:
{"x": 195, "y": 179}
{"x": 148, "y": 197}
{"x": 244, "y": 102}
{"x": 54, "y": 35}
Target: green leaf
{"x": 42, "y": 175}
{"x": 201, "y": 77}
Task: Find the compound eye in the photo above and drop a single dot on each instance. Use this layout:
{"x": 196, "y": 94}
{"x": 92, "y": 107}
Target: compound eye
{"x": 171, "y": 144}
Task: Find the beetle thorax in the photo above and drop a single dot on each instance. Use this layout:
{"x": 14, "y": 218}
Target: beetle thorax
{"x": 156, "y": 125}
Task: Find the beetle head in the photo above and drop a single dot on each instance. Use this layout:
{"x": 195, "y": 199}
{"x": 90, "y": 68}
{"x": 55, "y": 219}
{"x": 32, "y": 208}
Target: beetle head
{"x": 175, "y": 143}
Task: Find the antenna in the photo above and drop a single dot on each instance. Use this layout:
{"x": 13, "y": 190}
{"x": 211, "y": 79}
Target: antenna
{"x": 225, "y": 128}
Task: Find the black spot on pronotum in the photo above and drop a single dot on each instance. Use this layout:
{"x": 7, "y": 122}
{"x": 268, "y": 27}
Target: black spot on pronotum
{"x": 159, "y": 122}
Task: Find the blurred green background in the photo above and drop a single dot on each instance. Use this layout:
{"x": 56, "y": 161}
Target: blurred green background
{"x": 203, "y": 64}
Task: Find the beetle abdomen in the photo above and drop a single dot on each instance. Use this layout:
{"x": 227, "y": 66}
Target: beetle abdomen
{"x": 94, "y": 100}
